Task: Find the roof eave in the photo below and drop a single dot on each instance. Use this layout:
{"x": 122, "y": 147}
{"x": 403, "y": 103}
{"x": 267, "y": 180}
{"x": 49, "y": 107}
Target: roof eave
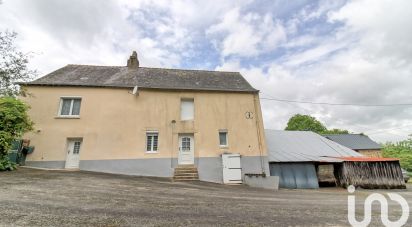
{"x": 128, "y": 86}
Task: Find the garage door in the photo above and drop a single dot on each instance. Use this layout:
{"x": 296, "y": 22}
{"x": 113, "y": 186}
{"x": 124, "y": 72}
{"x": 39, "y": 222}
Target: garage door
{"x": 295, "y": 175}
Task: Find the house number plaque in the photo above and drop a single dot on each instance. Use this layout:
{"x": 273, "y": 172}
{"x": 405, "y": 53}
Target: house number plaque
{"x": 249, "y": 115}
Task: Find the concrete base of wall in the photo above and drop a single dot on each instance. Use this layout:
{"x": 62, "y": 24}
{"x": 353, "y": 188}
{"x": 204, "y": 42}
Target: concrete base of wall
{"x": 47, "y": 164}
{"x": 210, "y": 169}
{"x": 156, "y": 167}
{"x": 268, "y": 182}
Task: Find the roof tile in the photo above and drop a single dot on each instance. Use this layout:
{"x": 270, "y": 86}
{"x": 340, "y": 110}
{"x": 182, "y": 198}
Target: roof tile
{"x": 143, "y": 77}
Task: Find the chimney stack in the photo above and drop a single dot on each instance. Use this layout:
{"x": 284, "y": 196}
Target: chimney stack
{"x": 133, "y": 62}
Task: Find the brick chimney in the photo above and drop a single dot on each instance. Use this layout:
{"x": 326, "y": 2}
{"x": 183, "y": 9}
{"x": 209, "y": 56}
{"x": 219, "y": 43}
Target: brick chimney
{"x": 133, "y": 62}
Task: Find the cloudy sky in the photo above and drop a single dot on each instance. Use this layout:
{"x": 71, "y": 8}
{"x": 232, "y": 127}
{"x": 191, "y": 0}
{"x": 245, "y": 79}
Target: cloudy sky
{"x": 357, "y": 52}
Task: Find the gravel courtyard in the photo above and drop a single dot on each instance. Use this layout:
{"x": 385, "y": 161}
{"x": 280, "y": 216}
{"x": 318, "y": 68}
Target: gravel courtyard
{"x": 31, "y": 197}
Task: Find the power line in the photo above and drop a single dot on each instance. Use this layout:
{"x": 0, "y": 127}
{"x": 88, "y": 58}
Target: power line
{"x": 389, "y": 129}
{"x": 338, "y": 104}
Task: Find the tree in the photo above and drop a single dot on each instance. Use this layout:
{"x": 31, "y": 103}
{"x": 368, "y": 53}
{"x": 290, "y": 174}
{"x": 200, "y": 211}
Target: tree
{"x": 305, "y": 123}
{"x": 401, "y": 150}
{"x": 13, "y": 66}
{"x": 336, "y": 131}
{"x": 14, "y": 121}
{"x": 301, "y": 122}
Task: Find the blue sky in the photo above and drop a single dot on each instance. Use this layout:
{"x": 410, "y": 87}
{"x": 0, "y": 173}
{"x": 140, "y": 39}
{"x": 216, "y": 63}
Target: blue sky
{"x": 322, "y": 51}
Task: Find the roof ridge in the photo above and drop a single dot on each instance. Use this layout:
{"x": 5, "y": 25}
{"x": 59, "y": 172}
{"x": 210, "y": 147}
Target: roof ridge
{"x": 197, "y": 70}
{"x": 118, "y": 66}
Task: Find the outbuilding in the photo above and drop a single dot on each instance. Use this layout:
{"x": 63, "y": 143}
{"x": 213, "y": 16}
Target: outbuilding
{"x": 303, "y": 159}
{"x": 358, "y": 142}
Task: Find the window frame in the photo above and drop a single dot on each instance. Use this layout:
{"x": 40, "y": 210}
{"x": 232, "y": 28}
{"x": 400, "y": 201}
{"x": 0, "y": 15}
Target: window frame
{"x": 152, "y": 151}
{"x": 227, "y": 138}
{"x": 193, "y": 108}
{"x": 70, "y": 115}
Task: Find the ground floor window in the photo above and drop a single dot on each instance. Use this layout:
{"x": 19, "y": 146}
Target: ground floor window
{"x": 223, "y": 138}
{"x": 152, "y": 139}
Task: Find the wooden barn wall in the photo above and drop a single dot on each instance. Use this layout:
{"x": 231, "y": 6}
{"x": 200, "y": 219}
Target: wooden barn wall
{"x": 371, "y": 175}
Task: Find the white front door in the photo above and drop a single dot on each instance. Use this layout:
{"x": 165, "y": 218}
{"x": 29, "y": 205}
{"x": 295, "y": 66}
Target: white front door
{"x": 73, "y": 153}
{"x": 186, "y": 150}
{"x": 232, "y": 171}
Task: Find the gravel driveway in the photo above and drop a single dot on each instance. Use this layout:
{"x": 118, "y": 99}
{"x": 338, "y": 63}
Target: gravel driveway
{"x": 32, "y": 197}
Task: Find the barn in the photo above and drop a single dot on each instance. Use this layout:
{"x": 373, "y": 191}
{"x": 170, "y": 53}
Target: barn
{"x": 303, "y": 159}
{"x": 358, "y": 142}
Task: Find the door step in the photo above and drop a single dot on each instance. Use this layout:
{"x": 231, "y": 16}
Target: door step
{"x": 186, "y": 173}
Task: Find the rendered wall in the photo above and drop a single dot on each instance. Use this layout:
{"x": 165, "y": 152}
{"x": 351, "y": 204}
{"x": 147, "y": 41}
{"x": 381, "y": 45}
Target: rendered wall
{"x": 113, "y": 124}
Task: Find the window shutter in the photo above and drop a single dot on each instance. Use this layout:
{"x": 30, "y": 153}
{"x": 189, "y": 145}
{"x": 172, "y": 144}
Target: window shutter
{"x": 187, "y": 110}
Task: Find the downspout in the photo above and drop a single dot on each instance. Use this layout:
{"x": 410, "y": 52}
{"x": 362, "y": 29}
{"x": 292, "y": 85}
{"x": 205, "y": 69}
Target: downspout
{"x": 173, "y": 143}
{"x": 258, "y": 131}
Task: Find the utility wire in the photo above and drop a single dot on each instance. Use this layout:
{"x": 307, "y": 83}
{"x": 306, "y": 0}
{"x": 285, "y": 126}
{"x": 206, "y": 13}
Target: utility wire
{"x": 338, "y": 104}
{"x": 389, "y": 129}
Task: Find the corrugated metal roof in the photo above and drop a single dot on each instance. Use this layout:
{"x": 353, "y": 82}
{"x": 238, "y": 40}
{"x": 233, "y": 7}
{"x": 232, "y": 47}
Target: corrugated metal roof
{"x": 368, "y": 159}
{"x": 354, "y": 141}
{"x": 304, "y": 146}
{"x": 143, "y": 77}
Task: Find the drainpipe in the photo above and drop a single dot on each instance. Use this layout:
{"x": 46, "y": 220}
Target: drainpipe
{"x": 173, "y": 143}
{"x": 258, "y": 131}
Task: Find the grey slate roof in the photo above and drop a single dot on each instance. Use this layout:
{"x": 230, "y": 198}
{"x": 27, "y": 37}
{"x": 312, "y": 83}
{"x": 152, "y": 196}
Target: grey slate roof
{"x": 157, "y": 78}
{"x": 355, "y": 141}
{"x": 304, "y": 146}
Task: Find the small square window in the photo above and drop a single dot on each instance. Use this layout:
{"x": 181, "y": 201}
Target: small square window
{"x": 152, "y": 140}
{"x": 70, "y": 107}
{"x": 223, "y": 139}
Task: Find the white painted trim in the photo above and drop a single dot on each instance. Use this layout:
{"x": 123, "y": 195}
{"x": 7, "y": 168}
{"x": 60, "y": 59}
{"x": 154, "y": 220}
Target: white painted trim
{"x": 151, "y": 146}
{"x": 68, "y": 117}
{"x": 71, "y": 107}
{"x": 227, "y": 138}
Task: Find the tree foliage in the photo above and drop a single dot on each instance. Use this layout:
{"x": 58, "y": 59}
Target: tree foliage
{"x": 301, "y": 122}
{"x": 13, "y": 66}
{"x": 14, "y": 121}
{"x": 401, "y": 150}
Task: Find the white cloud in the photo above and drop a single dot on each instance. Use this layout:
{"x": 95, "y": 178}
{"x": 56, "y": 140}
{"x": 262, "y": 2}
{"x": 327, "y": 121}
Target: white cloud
{"x": 357, "y": 51}
{"x": 248, "y": 34}
{"x": 366, "y": 60}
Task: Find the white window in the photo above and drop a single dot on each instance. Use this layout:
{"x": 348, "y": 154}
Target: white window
{"x": 152, "y": 140}
{"x": 70, "y": 106}
{"x": 186, "y": 109}
{"x": 223, "y": 139}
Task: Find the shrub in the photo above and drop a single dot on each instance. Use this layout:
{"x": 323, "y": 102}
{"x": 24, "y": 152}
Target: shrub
{"x": 14, "y": 122}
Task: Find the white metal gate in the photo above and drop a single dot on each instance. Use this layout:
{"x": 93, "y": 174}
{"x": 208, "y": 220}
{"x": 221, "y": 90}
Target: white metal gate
{"x": 232, "y": 171}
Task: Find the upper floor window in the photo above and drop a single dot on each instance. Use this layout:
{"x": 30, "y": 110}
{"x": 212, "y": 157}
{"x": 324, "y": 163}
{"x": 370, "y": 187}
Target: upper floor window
{"x": 187, "y": 109}
{"x": 223, "y": 138}
{"x": 152, "y": 140}
{"x": 70, "y": 106}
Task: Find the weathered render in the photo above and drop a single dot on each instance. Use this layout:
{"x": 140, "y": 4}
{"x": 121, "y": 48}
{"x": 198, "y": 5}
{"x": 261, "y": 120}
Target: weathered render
{"x": 113, "y": 122}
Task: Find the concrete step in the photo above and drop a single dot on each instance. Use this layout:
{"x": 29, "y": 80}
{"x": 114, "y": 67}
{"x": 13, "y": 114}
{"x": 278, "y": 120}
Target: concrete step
{"x": 185, "y": 178}
{"x": 186, "y": 173}
{"x": 186, "y": 166}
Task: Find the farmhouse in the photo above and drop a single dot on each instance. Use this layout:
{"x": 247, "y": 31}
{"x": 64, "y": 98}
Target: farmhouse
{"x": 304, "y": 159}
{"x": 147, "y": 121}
{"x": 358, "y": 142}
